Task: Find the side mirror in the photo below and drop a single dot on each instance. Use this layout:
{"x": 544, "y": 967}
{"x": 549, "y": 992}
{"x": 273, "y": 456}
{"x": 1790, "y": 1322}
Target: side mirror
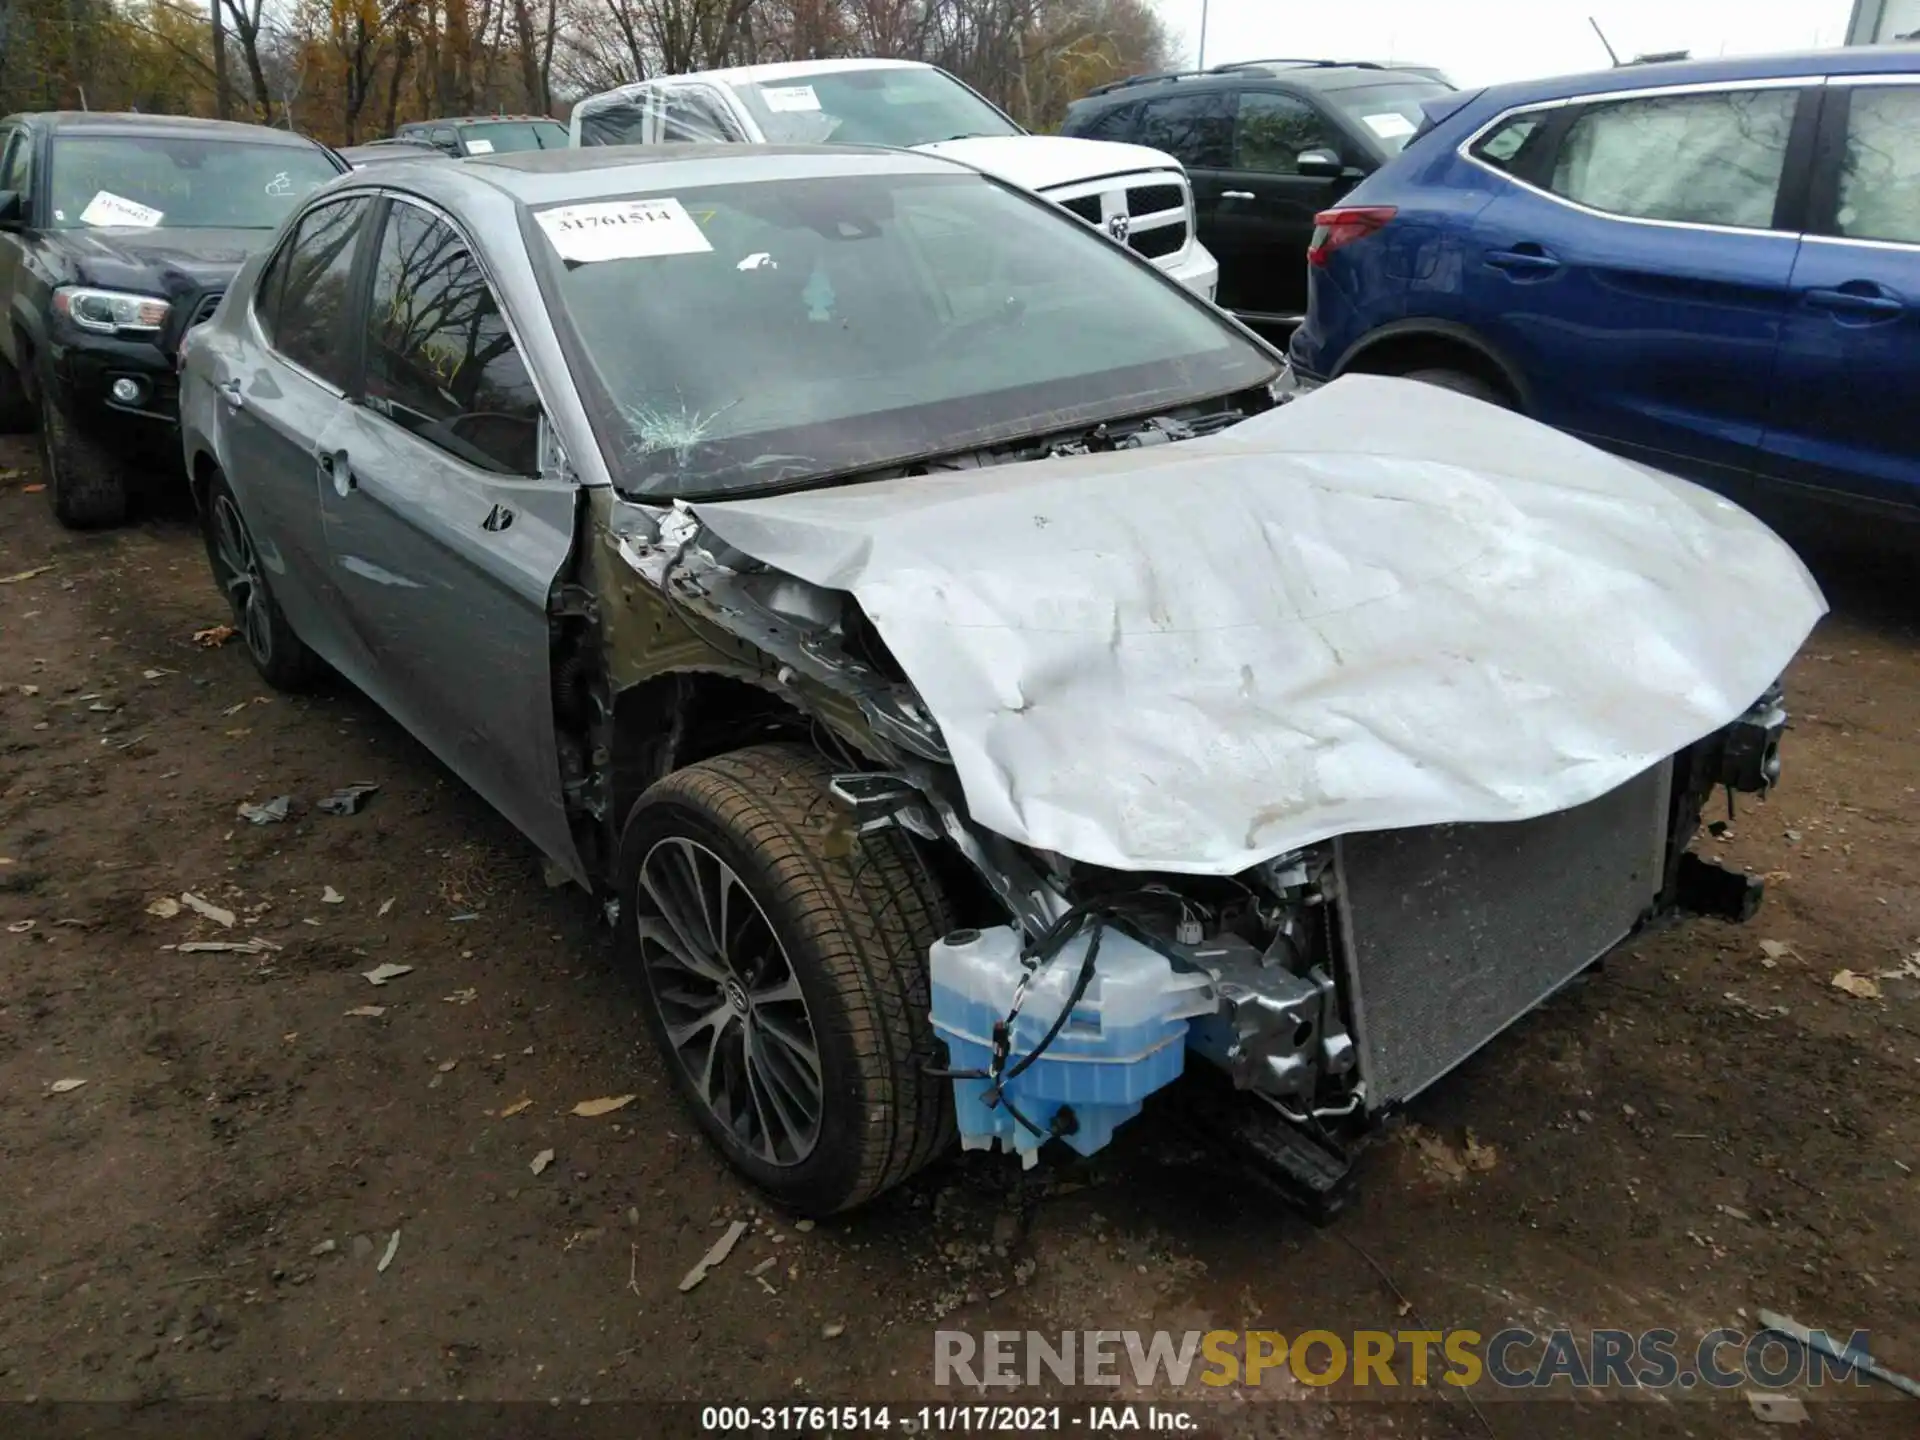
{"x": 1320, "y": 164}
{"x": 13, "y": 209}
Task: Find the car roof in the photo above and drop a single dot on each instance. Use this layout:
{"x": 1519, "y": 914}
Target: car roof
{"x": 102, "y": 122}
{"x": 551, "y": 177}
{"x": 480, "y": 120}
{"x": 1720, "y": 70}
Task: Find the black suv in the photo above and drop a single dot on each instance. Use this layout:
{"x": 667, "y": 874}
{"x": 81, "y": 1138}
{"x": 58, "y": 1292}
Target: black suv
{"x": 117, "y": 234}
{"x": 487, "y": 134}
{"x": 1269, "y": 144}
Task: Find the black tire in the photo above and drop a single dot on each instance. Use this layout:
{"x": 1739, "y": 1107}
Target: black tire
{"x": 281, "y": 656}
{"x": 850, "y": 918}
{"x": 86, "y": 483}
{"x": 16, "y": 404}
{"x": 1464, "y": 383}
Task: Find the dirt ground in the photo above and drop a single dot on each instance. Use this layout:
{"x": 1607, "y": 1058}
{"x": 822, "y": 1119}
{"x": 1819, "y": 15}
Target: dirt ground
{"x": 1698, "y": 1130}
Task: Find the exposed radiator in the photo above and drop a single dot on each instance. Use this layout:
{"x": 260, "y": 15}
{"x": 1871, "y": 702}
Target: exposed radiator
{"x": 1452, "y": 932}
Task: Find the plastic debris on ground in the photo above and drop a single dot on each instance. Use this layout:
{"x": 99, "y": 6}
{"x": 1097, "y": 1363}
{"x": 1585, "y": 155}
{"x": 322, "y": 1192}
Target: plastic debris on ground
{"x": 255, "y": 946}
{"x": 348, "y": 799}
{"x": 61, "y": 1087}
{"x": 368, "y": 1012}
{"x": 331, "y": 896}
{"x": 1861, "y": 987}
{"x": 1776, "y": 1409}
{"x": 393, "y": 1247}
{"x": 541, "y": 1162}
{"x": 716, "y": 1255}
{"x": 206, "y": 908}
{"x": 1125, "y": 1038}
{"x": 270, "y": 812}
{"x": 382, "y": 974}
{"x": 166, "y": 907}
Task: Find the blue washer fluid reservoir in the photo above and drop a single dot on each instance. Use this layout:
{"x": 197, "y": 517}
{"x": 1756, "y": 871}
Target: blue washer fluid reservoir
{"x": 1125, "y": 1039}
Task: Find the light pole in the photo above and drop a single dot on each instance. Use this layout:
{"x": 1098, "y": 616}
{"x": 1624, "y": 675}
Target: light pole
{"x": 1203, "y": 35}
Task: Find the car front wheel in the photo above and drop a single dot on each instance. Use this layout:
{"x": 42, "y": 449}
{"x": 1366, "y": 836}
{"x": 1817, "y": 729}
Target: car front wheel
{"x": 785, "y": 964}
{"x": 281, "y": 657}
{"x": 86, "y": 483}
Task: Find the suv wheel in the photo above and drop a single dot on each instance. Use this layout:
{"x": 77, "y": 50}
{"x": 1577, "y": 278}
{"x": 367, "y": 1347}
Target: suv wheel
{"x": 281, "y": 657}
{"x": 86, "y": 483}
{"x": 785, "y": 964}
{"x": 1465, "y": 384}
{"x": 16, "y": 405}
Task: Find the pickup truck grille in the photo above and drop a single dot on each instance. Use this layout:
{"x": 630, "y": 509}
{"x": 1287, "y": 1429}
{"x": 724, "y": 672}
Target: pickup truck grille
{"x": 1149, "y": 210}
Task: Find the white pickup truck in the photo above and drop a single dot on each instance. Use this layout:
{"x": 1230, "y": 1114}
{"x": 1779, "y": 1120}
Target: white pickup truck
{"x": 1138, "y": 197}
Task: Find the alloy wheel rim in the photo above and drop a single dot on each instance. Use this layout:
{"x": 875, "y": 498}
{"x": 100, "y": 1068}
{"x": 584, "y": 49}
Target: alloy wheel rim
{"x": 735, "y": 1017}
{"x": 246, "y": 591}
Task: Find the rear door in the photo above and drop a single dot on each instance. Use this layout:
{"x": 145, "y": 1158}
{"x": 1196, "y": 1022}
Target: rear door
{"x": 1639, "y": 276}
{"x": 1846, "y": 405}
{"x": 1266, "y": 206}
{"x": 285, "y": 387}
{"x": 444, "y": 535}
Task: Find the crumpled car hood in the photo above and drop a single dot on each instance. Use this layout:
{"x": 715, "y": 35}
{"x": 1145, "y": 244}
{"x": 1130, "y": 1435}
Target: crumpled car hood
{"x": 1383, "y": 605}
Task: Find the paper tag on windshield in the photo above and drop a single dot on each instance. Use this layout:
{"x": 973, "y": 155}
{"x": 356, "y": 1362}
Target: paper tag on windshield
{"x": 1390, "y": 126}
{"x": 623, "y": 230}
{"x": 782, "y": 99}
{"x": 107, "y": 208}
{"x": 479, "y": 147}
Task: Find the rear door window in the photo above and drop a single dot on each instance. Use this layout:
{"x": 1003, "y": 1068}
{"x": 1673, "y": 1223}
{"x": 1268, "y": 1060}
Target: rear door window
{"x": 1196, "y": 130}
{"x": 16, "y": 163}
{"x": 1708, "y": 159}
{"x": 1510, "y": 146}
{"x": 303, "y": 297}
{"x": 1113, "y": 124}
{"x": 1879, "y": 182}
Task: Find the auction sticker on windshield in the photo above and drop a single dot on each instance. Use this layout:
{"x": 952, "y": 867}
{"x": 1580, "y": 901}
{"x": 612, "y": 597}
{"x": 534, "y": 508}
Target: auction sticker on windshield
{"x": 107, "y": 208}
{"x": 479, "y": 147}
{"x": 1390, "y": 125}
{"x": 622, "y": 230}
{"x": 787, "y": 98}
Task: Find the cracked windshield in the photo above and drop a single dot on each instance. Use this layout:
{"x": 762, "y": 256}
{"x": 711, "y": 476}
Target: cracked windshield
{"x": 750, "y": 336}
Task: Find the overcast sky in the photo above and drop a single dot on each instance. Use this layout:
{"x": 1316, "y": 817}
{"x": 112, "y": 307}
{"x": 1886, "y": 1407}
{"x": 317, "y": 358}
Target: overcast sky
{"x": 1482, "y": 41}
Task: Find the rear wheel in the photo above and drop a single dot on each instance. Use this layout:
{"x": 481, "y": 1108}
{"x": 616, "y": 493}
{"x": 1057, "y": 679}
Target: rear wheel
{"x": 86, "y": 483}
{"x": 785, "y": 963}
{"x": 281, "y": 657}
{"x": 1465, "y": 383}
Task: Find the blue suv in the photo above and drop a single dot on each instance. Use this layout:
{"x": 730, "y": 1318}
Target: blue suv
{"x": 1711, "y": 266}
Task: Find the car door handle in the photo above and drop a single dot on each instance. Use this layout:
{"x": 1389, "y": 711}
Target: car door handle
{"x": 1858, "y": 302}
{"x": 1524, "y": 259}
{"x": 230, "y": 392}
{"x": 333, "y": 465}
{"x": 1237, "y": 195}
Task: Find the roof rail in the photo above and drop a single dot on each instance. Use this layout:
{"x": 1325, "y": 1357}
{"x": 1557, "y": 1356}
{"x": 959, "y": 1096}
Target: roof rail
{"x": 1298, "y": 62}
{"x": 1146, "y": 80}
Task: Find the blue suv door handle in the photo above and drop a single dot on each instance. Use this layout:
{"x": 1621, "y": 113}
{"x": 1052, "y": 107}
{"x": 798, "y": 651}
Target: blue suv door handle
{"x": 1868, "y": 299}
{"x": 1525, "y": 258}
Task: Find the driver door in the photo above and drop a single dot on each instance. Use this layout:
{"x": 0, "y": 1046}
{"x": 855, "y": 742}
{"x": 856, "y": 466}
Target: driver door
{"x": 443, "y": 537}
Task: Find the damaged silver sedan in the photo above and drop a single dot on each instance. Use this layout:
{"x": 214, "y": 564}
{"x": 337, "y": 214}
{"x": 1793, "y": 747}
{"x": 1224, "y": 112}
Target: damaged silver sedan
{"x": 971, "y": 692}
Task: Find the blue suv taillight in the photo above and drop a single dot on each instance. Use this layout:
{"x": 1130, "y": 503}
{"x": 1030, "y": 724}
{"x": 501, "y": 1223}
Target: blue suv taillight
{"x": 1343, "y": 226}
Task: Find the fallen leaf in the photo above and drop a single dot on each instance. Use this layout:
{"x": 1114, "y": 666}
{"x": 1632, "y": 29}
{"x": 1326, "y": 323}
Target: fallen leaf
{"x": 1777, "y": 949}
{"x": 166, "y": 907}
{"x": 446, "y": 1066}
{"x": 381, "y": 974}
{"x": 213, "y": 636}
{"x": 34, "y": 489}
{"x": 331, "y": 896}
{"x": 721, "y": 1248}
{"x": 516, "y": 1107}
{"x": 385, "y": 906}
{"x": 61, "y": 1087}
{"x": 393, "y": 1246}
{"x": 461, "y": 997}
{"x": 24, "y": 575}
{"x": 604, "y": 1106}
{"x": 1861, "y": 987}
{"x": 1485, "y": 1157}
{"x": 155, "y": 673}
{"x": 368, "y": 1012}
{"x": 222, "y": 918}
{"x": 833, "y": 1331}
{"x": 541, "y": 1162}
